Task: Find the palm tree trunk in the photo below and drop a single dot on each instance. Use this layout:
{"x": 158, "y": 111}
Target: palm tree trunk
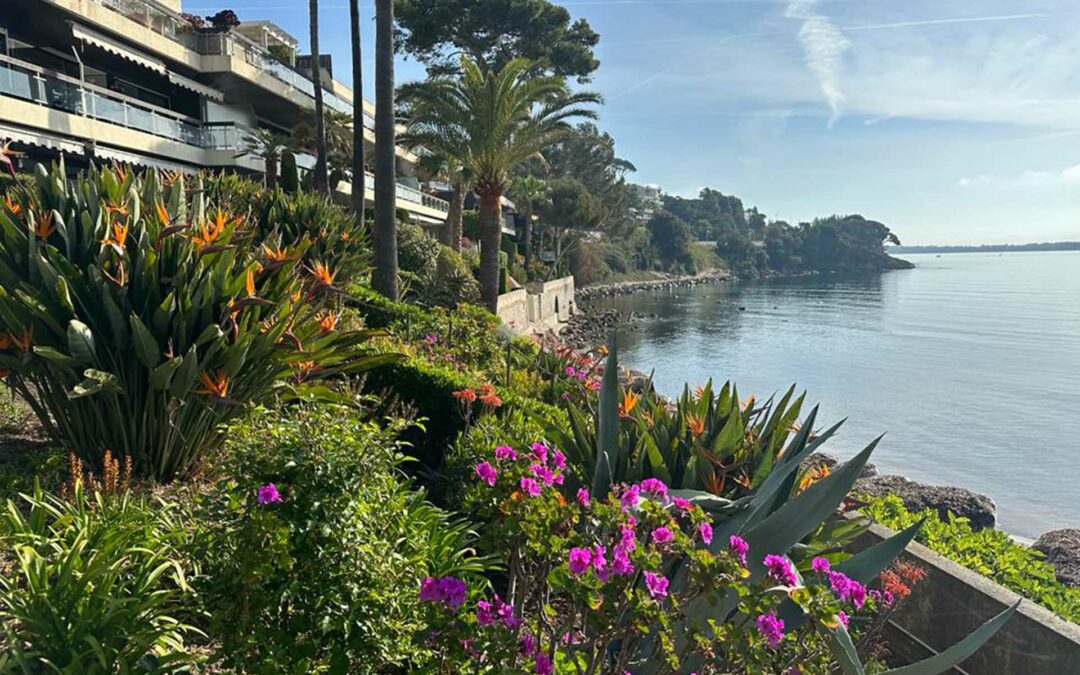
{"x": 271, "y": 172}
{"x": 452, "y": 228}
{"x": 528, "y": 209}
{"x": 320, "y": 181}
{"x": 384, "y": 238}
{"x": 358, "y": 173}
{"x": 490, "y": 240}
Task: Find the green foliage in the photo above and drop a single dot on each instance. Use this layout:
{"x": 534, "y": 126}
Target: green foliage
{"x": 97, "y": 584}
{"x": 990, "y": 552}
{"x": 493, "y": 33}
{"x": 447, "y": 283}
{"x": 136, "y": 319}
{"x": 416, "y": 250}
{"x": 290, "y": 173}
{"x": 672, "y": 238}
{"x": 325, "y": 578}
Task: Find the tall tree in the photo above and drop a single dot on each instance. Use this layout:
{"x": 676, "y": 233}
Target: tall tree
{"x": 384, "y": 278}
{"x": 493, "y": 121}
{"x": 494, "y": 32}
{"x": 527, "y": 191}
{"x": 268, "y": 146}
{"x": 358, "y": 170}
{"x": 321, "y": 181}
{"x": 438, "y": 165}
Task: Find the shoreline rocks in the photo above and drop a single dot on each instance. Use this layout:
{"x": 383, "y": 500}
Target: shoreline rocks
{"x": 627, "y": 287}
{"x": 978, "y": 509}
{"x": 1062, "y": 550}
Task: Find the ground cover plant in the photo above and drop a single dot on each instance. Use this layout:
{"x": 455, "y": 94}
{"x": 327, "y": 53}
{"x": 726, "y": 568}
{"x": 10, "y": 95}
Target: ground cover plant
{"x": 991, "y": 553}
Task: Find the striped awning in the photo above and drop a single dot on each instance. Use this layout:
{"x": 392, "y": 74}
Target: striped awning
{"x": 110, "y": 45}
{"x": 197, "y": 87}
{"x": 41, "y": 140}
{"x": 106, "y": 153}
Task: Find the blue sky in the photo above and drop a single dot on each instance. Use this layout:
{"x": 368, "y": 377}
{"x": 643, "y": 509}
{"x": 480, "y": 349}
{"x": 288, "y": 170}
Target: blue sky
{"x": 952, "y": 122}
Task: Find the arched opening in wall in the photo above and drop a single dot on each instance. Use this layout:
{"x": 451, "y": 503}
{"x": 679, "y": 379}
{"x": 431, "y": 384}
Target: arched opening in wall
{"x": 556, "y": 305}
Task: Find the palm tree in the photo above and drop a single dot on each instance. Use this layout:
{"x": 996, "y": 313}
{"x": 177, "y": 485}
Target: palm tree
{"x": 492, "y": 122}
{"x": 358, "y": 169}
{"x": 321, "y": 182}
{"x": 337, "y": 133}
{"x": 527, "y": 190}
{"x": 266, "y": 145}
{"x": 384, "y": 236}
{"x": 445, "y": 168}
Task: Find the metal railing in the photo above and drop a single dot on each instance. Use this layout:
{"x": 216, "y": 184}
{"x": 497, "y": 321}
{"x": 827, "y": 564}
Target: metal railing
{"x": 23, "y": 80}
{"x": 225, "y": 43}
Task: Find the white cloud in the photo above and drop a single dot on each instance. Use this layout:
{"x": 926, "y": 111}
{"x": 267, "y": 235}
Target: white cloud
{"x": 823, "y": 49}
{"x": 1027, "y": 179}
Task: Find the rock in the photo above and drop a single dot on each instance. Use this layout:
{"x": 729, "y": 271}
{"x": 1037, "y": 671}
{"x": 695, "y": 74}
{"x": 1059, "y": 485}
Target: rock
{"x": 1062, "y": 549}
{"x": 587, "y": 329}
{"x": 825, "y": 459}
{"x": 978, "y": 509}
{"x": 627, "y": 287}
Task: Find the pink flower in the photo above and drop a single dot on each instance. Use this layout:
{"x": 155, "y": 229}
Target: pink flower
{"x": 540, "y": 451}
{"x": 542, "y": 473}
{"x": 559, "y": 460}
{"x": 705, "y": 532}
{"x": 657, "y": 585}
{"x": 543, "y": 665}
{"x": 630, "y": 497}
{"x": 843, "y": 618}
{"x": 599, "y": 561}
{"x": 505, "y": 611}
{"x": 580, "y": 558}
{"x": 662, "y": 535}
{"x": 771, "y": 628}
{"x": 620, "y": 564}
{"x": 583, "y": 497}
{"x": 592, "y": 384}
{"x": 531, "y": 487}
{"x": 570, "y": 371}
{"x": 738, "y": 548}
{"x": 627, "y": 537}
{"x": 527, "y": 644}
{"x": 484, "y": 614}
{"x": 654, "y": 487}
{"x": 486, "y": 473}
{"x": 268, "y": 494}
{"x": 430, "y": 590}
{"x": 847, "y": 589}
{"x": 888, "y": 596}
{"x": 781, "y": 570}
{"x": 681, "y": 503}
{"x": 447, "y": 590}
{"x": 820, "y": 565}
{"x": 505, "y": 452}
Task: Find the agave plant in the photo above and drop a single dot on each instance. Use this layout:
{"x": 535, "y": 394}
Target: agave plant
{"x": 137, "y": 317}
{"x": 776, "y": 516}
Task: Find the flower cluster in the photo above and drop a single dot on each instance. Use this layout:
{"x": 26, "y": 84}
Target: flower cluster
{"x": 448, "y": 591}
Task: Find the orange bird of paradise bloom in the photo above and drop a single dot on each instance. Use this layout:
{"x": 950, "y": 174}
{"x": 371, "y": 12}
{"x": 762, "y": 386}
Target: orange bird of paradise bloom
{"x": 45, "y": 225}
{"x": 162, "y": 213}
{"x": 216, "y": 386}
{"x": 117, "y": 238}
{"x": 275, "y": 255}
{"x": 328, "y": 323}
{"x": 249, "y": 284}
{"x": 695, "y": 424}
{"x": 120, "y": 279}
{"x": 23, "y": 343}
{"x": 12, "y": 206}
{"x": 629, "y": 402}
{"x": 322, "y": 274}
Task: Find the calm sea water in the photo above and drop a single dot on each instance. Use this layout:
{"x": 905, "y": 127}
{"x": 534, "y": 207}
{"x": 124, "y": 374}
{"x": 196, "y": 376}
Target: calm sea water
{"x": 970, "y": 364}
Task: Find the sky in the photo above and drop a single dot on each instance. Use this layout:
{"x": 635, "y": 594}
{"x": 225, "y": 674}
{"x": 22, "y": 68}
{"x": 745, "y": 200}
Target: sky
{"x": 953, "y": 122}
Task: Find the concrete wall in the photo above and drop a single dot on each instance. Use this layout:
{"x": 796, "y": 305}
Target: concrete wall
{"x": 540, "y": 309}
{"x": 953, "y": 601}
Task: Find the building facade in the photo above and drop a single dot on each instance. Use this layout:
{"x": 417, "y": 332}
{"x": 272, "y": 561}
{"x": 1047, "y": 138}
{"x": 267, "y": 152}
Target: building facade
{"x": 137, "y": 82}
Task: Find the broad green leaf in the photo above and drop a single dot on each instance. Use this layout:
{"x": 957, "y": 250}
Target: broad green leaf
{"x": 146, "y": 347}
{"x": 866, "y": 565}
{"x": 955, "y": 655}
{"x": 843, "y": 650}
{"x": 81, "y": 343}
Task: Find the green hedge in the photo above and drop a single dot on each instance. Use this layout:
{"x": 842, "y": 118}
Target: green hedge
{"x": 991, "y": 553}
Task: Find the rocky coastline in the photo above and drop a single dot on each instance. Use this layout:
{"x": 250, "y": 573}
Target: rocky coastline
{"x": 586, "y": 293}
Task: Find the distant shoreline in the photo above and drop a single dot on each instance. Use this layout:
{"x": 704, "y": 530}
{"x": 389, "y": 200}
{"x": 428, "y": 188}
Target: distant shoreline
{"x": 987, "y": 248}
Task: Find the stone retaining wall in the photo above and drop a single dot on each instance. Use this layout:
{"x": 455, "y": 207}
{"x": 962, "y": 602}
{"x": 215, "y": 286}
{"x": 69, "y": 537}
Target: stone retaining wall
{"x": 539, "y": 309}
{"x": 953, "y": 601}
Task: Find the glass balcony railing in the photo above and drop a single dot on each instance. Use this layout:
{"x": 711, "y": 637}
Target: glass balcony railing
{"x": 19, "y": 79}
{"x": 225, "y": 43}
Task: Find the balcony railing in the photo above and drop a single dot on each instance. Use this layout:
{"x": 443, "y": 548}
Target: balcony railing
{"x": 225, "y": 43}
{"x": 60, "y": 92}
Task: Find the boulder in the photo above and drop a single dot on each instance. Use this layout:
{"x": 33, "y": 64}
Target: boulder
{"x": 978, "y": 509}
{"x": 1062, "y": 549}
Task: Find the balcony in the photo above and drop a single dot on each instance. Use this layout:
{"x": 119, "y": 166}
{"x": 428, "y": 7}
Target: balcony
{"x": 226, "y": 43}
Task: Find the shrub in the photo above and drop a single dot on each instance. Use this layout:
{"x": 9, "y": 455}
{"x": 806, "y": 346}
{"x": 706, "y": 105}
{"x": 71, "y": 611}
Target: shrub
{"x": 990, "y": 552}
{"x": 134, "y": 318}
{"x": 98, "y": 584}
{"x": 416, "y": 250}
{"x": 318, "y": 570}
{"x": 447, "y": 283}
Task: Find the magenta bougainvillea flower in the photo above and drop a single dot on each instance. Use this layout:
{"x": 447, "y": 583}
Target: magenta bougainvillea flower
{"x": 540, "y": 452}
{"x": 657, "y": 584}
{"x": 820, "y": 565}
{"x": 705, "y": 532}
{"x": 486, "y": 473}
{"x": 558, "y": 459}
{"x": 847, "y": 589}
{"x": 505, "y": 452}
{"x": 580, "y": 558}
{"x": 543, "y": 665}
{"x": 530, "y": 487}
{"x": 583, "y": 497}
{"x": 681, "y": 503}
{"x": 447, "y": 590}
{"x": 738, "y": 548}
{"x": 771, "y": 628}
{"x": 662, "y": 535}
{"x": 630, "y": 497}
{"x": 268, "y": 494}
{"x": 780, "y": 569}
{"x": 654, "y": 487}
